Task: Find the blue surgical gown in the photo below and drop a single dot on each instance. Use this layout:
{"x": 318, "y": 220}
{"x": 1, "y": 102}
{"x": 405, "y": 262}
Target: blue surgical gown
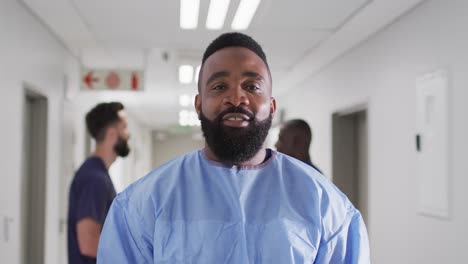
{"x": 193, "y": 210}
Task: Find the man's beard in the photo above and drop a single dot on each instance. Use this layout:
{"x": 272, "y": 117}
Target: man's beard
{"x": 235, "y": 145}
{"x": 121, "y": 148}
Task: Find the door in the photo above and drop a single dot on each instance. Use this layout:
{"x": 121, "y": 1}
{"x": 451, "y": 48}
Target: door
{"x": 350, "y": 159}
{"x": 34, "y": 177}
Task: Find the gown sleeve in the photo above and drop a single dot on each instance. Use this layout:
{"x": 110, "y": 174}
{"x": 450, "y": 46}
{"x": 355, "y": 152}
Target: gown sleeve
{"x": 349, "y": 244}
{"x": 123, "y": 238}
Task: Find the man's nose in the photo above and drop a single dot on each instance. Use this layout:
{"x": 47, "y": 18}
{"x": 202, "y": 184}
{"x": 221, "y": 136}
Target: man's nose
{"x": 237, "y": 97}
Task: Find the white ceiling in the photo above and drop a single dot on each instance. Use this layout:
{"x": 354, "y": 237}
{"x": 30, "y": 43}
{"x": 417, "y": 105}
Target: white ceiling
{"x": 300, "y": 37}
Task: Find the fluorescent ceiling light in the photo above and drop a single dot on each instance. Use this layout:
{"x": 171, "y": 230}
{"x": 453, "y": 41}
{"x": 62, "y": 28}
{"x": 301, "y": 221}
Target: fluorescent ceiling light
{"x": 189, "y": 13}
{"x": 197, "y": 72}
{"x": 188, "y": 118}
{"x": 185, "y": 74}
{"x": 193, "y": 119}
{"x": 185, "y": 100}
{"x": 244, "y": 14}
{"x": 183, "y": 118}
{"x": 216, "y": 14}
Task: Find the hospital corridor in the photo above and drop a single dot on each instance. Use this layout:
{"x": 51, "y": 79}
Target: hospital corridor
{"x": 383, "y": 85}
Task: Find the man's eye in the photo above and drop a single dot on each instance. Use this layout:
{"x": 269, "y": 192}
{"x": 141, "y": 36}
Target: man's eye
{"x": 219, "y": 87}
{"x": 252, "y": 87}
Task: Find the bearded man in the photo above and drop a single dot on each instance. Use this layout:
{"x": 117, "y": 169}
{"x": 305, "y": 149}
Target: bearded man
{"x": 234, "y": 201}
{"x": 92, "y": 191}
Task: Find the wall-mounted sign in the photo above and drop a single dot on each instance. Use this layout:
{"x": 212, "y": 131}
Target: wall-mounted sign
{"x": 130, "y": 80}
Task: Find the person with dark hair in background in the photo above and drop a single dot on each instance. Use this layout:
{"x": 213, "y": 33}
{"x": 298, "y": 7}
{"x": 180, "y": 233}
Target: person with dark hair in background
{"x": 294, "y": 140}
{"x": 234, "y": 201}
{"x": 92, "y": 191}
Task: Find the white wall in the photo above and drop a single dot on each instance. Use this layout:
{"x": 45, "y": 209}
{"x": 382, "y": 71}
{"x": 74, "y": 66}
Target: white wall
{"x": 29, "y": 54}
{"x": 171, "y": 146}
{"x": 382, "y": 73}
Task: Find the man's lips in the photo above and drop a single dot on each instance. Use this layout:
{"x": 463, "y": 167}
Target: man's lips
{"x": 236, "y": 117}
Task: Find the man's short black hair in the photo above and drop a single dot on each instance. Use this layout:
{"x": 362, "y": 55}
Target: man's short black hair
{"x": 101, "y": 117}
{"x": 234, "y": 39}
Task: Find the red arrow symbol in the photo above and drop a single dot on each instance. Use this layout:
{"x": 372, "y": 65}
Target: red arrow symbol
{"x": 134, "y": 82}
{"x": 89, "y": 79}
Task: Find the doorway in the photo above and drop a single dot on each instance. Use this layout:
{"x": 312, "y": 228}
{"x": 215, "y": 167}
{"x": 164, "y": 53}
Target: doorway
{"x": 34, "y": 177}
{"x": 350, "y": 157}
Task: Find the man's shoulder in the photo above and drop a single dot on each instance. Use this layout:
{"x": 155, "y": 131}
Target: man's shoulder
{"x": 159, "y": 180}
{"x": 89, "y": 173}
{"x": 305, "y": 176}
{"x": 319, "y": 190}
{"x": 92, "y": 165}
{"x": 294, "y": 165}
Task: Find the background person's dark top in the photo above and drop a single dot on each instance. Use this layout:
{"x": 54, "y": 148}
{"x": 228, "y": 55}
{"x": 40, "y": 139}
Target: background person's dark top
{"x": 91, "y": 195}
{"x": 309, "y": 162}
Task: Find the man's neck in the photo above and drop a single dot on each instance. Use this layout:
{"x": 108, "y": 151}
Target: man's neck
{"x": 106, "y": 154}
{"x": 258, "y": 159}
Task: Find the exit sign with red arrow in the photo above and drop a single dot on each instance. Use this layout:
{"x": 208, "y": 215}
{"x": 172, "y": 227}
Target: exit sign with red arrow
{"x": 99, "y": 79}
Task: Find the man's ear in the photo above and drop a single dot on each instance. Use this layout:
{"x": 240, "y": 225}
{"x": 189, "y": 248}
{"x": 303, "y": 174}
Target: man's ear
{"x": 272, "y": 106}
{"x": 197, "y": 104}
